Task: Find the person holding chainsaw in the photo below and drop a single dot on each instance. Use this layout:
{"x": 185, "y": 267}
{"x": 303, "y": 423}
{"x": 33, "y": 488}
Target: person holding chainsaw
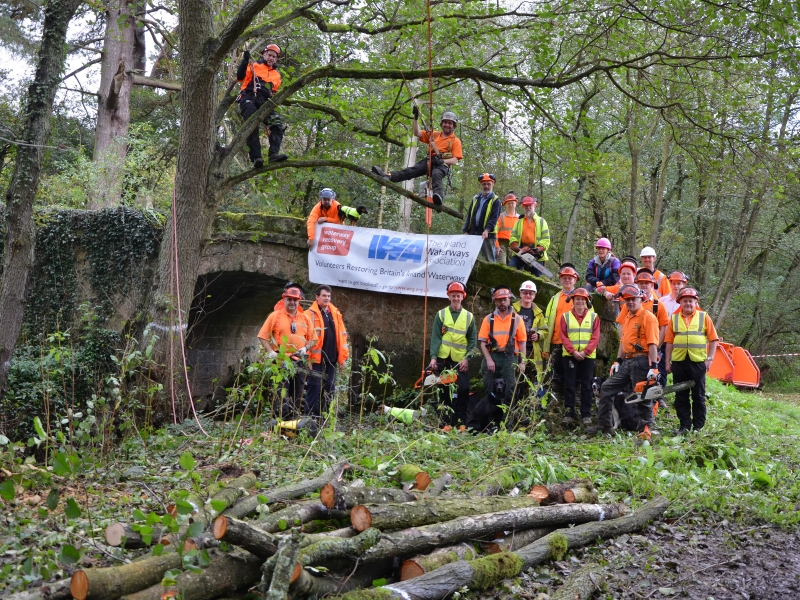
{"x": 530, "y": 238}
{"x": 603, "y": 269}
{"x": 505, "y": 225}
{"x": 289, "y": 331}
{"x": 691, "y": 345}
{"x": 551, "y": 350}
{"x": 482, "y": 215}
{"x": 580, "y": 335}
{"x": 502, "y": 338}
{"x": 329, "y": 352}
{"x": 637, "y": 361}
{"x": 325, "y": 211}
{"x": 260, "y": 80}
{"x": 444, "y": 151}
{"x": 453, "y": 338}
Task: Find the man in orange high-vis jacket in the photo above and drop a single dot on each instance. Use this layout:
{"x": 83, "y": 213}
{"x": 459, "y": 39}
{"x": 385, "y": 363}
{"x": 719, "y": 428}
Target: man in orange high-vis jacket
{"x": 330, "y": 350}
{"x": 504, "y": 227}
{"x": 288, "y": 330}
{"x": 325, "y": 211}
{"x": 260, "y": 80}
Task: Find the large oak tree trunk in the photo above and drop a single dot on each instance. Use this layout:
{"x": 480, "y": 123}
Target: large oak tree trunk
{"x": 20, "y": 232}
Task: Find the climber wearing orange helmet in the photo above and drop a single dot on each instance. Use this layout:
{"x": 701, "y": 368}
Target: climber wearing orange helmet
{"x": 603, "y": 269}
{"x": 289, "y": 331}
{"x": 260, "y": 80}
{"x": 502, "y": 337}
{"x": 453, "y": 337}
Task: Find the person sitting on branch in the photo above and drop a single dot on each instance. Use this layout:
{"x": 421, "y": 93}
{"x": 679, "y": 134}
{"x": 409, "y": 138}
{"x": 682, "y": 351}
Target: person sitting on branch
{"x": 260, "y": 80}
{"x": 444, "y": 150}
{"x": 530, "y": 235}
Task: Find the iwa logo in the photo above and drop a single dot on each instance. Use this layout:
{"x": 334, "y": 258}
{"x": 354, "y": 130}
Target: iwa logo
{"x": 383, "y": 248}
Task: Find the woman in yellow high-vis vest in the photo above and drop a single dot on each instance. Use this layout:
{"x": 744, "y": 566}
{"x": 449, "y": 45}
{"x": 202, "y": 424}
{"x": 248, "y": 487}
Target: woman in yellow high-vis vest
{"x": 580, "y": 335}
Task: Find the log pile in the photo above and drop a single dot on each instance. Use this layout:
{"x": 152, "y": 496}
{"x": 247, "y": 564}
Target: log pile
{"x": 407, "y": 542}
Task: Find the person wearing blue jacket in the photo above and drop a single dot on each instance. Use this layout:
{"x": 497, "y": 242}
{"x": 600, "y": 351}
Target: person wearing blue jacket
{"x": 603, "y": 269}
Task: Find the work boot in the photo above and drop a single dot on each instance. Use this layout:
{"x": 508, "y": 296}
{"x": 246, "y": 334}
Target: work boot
{"x": 607, "y": 431}
{"x": 567, "y": 421}
{"x": 380, "y": 172}
{"x": 684, "y": 431}
{"x": 258, "y": 163}
{"x": 437, "y": 199}
{"x": 587, "y": 421}
{"x": 274, "y": 158}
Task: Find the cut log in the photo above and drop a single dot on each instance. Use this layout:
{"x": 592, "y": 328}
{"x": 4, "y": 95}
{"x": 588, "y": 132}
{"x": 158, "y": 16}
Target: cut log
{"x": 346, "y": 498}
{"x": 228, "y": 495}
{"x": 437, "y": 485}
{"x": 336, "y": 548}
{"x": 311, "y": 586}
{"x": 419, "y": 540}
{"x": 58, "y": 590}
{"x": 582, "y": 584}
{"x": 113, "y": 582}
{"x": 293, "y": 516}
{"x": 425, "y": 512}
{"x": 226, "y": 573}
{"x": 285, "y": 569}
{"x": 249, "y": 505}
{"x": 344, "y": 532}
{"x": 238, "y": 533}
{"x": 515, "y": 540}
{"x": 116, "y": 532}
{"x": 555, "y": 492}
{"x": 424, "y": 563}
{"x": 486, "y": 572}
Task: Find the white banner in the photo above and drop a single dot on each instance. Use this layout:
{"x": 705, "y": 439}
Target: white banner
{"x": 380, "y": 260}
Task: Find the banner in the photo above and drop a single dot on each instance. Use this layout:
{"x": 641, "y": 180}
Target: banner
{"x": 389, "y": 261}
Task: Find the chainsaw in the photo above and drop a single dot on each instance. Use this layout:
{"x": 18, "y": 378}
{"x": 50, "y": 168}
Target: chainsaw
{"x": 430, "y": 378}
{"x": 648, "y": 390}
{"x": 530, "y": 260}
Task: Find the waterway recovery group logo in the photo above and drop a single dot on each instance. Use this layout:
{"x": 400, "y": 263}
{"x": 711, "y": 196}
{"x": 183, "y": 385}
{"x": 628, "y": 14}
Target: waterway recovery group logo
{"x": 335, "y": 241}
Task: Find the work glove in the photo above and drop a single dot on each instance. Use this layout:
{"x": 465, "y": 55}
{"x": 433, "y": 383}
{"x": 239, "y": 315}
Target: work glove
{"x": 524, "y": 249}
{"x": 652, "y": 374}
{"x": 614, "y": 368}
{"x": 246, "y": 56}
{"x": 415, "y": 111}
{"x": 436, "y": 161}
{"x": 271, "y": 354}
{"x": 303, "y": 351}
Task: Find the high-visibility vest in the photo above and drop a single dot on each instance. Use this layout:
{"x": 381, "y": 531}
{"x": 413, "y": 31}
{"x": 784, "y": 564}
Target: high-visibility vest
{"x": 505, "y": 225}
{"x": 474, "y": 206}
{"x": 689, "y": 338}
{"x": 454, "y": 334}
{"x": 580, "y": 334}
{"x": 509, "y": 347}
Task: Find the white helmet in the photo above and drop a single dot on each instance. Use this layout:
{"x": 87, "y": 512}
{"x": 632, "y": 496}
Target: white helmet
{"x": 528, "y": 286}
{"x": 647, "y": 251}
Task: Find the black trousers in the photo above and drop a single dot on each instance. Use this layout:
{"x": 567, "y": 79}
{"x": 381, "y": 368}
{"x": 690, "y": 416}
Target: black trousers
{"x": 557, "y": 360}
{"x": 438, "y": 175}
{"x": 692, "y": 415}
{"x": 631, "y": 371}
{"x": 324, "y": 384}
{"x": 662, "y": 365}
{"x": 249, "y": 104}
{"x": 457, "y": 413}
{"x": 580, "y": 371}
{"x": 288, "y": 408}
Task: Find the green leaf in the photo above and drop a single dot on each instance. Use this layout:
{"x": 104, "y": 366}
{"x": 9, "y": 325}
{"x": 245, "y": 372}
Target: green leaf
{"x": 37, "y": 425}
{"x": 170, "y": 577}
{"x": 7, "y": 490}
{"x": 158, "y": 549}
{"x": 27, "y": 566}
{"x": 283, "y": 525}
{"x": 52, "y": 499}
{"x": 203, "y": 559}
{"x": 183, "y": 507}
{"x": 72, "y": 509}
{"x": 69, "y": 555}
{"x": 138, "y": 515}
{"x": 186, "y": 461}
{"x": 379, "y": 582}
{"x": 195, "y": 529}
{"x": 219, "y": 505}
{"x": 262, "y": 499}
{"x": 194, "y": 569}
{"x": 61, "y": 466}
{"x": 153, "y": 518}
{"x": 146, "y": 532}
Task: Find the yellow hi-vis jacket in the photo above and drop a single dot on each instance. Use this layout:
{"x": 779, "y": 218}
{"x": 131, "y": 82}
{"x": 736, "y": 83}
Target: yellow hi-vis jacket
{"x": 454, "y": 338}
{"x": 689, "y": 339}
{"x": 580, "y": 334}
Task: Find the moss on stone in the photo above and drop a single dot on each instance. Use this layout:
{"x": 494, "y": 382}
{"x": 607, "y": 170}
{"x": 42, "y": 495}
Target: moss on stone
{"x": 558, "y": 545}
{"x": 228, "y": 222}
{"x": 491, "y": 570}
{"x": 485, "y": 276}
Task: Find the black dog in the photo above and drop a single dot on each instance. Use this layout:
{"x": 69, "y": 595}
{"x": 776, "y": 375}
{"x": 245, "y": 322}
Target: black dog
{"x": 487, "y": 414}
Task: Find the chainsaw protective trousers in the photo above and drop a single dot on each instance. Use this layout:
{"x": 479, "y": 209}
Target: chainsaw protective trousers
{"x": 631, "y": 371}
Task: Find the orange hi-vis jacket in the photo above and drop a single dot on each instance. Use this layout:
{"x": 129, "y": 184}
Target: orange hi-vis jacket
{"x": 505, "y": 225}
{"x": 444, "y": 143}
{"x": 277, "y": 330}
{"x": 331, "y": 216}
{"x": 318, "y": 323}
{"x": 503, "y": 327}
{"x": 267, "y": 76}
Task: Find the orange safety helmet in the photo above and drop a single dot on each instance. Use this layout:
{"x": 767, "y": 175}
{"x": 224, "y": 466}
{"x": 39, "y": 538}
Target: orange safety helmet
{"x": 687, "y": 292}
{"x": 528, "y": 200}
{"x": 510, "y": 197}
{"x": 274, "y": 47}
{"x": 568, "y": 269}
{"x": 501, "y": 291}
{"x": 487, "y": 177}
{"x": 292, "y": 292}
{"x": 645, "y": 274}
{"x": 629, "y": 291}
{"x": 456, "y": 286}
{"x": 678, "y": 276}
{"x": 580, "y": 293}
{"x": 627, "y": 264}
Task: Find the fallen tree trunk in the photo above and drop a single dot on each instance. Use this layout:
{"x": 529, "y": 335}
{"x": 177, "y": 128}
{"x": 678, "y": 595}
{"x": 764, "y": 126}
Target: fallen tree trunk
{"x": 227, "y": 572}
{"x": 307, "y": 585}
{"x": 228, "y": 495}
{"x": 284, "y": 570}
{"x": 337, "y": 548}
{"x": 486, "y": 572}
{"x": 345, "y": 498}
{"x": 575, "y": 490}
{"x": 238, "y": 533}
{"x": 293, "y": 516}
{"x": 424, "y": 563}
{"x": 117, "y": 532}
{"x": 582, "y": 584}
{"x": 58, "y": 590}
{"x": 425, "y": 512}
{"x": 249, "y": 505}
{"x": 419, "y": 540}
{"x": 515, "y": 540}
{"x": 113, "y": 582}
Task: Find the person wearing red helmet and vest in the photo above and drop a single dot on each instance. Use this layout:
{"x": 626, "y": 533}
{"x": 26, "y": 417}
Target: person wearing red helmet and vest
{"x": 530, "y": 235}
{"x": 505, "y": 225}
{"x": 502, "y": 340}
{"x": 648, "y": 258}
{"x": 637, "y": 360}
{"x": 453, "y": 337}
{"x": 580, "y": 335}
{"x": 678, "y": 281}
{"x": 691, "y": 344}
{"x": 444, "y": 151}
{"x": 482, "y": 215}
{"x": 551, "y": 349}
{"x": 289, "y": 331}
{"x": 603, "y": 269}
{"x": 329, "y": 351}
{"x": 260, "y": 81}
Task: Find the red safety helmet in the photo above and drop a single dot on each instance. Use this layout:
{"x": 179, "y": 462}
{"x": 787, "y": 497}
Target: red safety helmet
{"x": 501, "y": 291}
{"x": 274, "y": 47}
{"x": 568, "y": 269}
{"x": 630, "y": 291}
{"x": 456, "y": 286}
{"x": 687, "y": 292}
{"x": 292, "y": 292}
{"x": 678, "y": 276}
{"x": 510, "y": 197}
{"x": 487, "y": 177}
{"x": 628, "y": 265}
{"x": 528, "y": 200}
{"x": 580, "y": 293}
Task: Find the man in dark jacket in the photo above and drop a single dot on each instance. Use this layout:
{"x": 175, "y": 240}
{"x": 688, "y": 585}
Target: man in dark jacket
{"x": 482, "y": 215}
